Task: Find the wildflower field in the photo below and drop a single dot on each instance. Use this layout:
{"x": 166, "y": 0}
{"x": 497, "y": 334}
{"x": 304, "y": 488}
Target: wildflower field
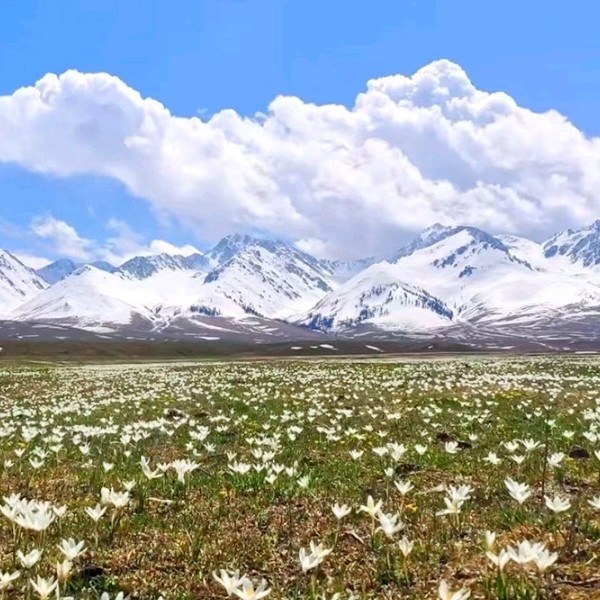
{"x": 426, "y": 479}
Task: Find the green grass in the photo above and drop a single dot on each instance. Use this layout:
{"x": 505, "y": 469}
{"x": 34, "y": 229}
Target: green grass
{"x": 172, "y": 535}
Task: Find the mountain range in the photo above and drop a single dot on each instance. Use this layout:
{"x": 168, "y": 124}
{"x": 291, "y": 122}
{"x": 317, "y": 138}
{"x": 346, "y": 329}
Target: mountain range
{"x": 456, "y": 283}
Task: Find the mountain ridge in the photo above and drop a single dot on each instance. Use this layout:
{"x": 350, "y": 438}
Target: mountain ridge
{"x": 446, "y": 277}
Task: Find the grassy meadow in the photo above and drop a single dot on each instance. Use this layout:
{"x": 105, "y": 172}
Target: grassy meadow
{"x": 334, "y": 480}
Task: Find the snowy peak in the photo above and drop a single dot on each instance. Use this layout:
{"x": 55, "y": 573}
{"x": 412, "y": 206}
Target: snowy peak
{"x": 59, "y": 269}
{"x": 447, "y": 276}
{"x": 441, "y": 274}
{"x": 526, "y": 250}
{"x": 579, "y": 246}
{"x": 18, "y": 283}
{"x": 267, "y": 278}
{"x": 263, "y": 255}
{"x": 87, "y": 297}
{"x": 344, "y": 270}
{"x": 426, "y": 238}
{"x": 470, "y": 248}
{"x": 378, "y": 297}
{"x": 460, "y": 250}
{"x": 144, "y": 267}
{"x": 229, "y": 246}
{"x": 103, "y": 266}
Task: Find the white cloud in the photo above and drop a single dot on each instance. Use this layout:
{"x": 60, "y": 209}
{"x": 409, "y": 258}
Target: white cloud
{"x": 31, "y": 261}
{"x": 411, "y": 151}
{"x": 163, "y": 247}
{"x": 62, "y": 237}
{"x": 125, "y": 243}
{"x": 315, "y": 247}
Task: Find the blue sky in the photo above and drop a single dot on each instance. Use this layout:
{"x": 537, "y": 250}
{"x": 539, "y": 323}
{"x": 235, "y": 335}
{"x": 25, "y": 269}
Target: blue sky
{"x": 198, "y": 58}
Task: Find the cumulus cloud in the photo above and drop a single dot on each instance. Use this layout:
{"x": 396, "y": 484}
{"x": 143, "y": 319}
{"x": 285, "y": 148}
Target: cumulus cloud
{"x": 164, "y": 247}
{"x": 125, "y": 243}
{"x": 31, "y": 260}
{"x": 411, "y": 151}
{"x": 62, "y": 237}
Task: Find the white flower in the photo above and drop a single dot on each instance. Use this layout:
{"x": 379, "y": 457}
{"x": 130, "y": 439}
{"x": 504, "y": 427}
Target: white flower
{"x": 530, "y": 445}
{"x": 404, "y": 486}
{"x": 499, "y": 560}
{"x": 7, "y": 578}
{"x": 71, "y": 549}
{"x": 95, "y": 513}
{"x": 406, "y": 546}
{"x": 63, "y": 570}
{"x": 117, "y": 499}
{"x": 461, "y": 493}
{"x": 390, "y": 524}
{"x": 518, "y": 491}
{"x": 43, "y": 587}
{"x": 341, "y": 511}
{"x": 445, "y": 594}
{"x": 525, "y": 551}
{"x": 555, "y": 459}
{"x": 312, "y": 559}
{"x": 30, "y": 559}
{"x": 371, "y": 507}
{"x": 490, "y": 539}
{"x": 249, "y": 592}
{"x": 230, "y": 580}
{"x": 304, "y": 482}
{"x": 453, "y": 507}
{"x": 492, "y": 458}
{"x": 147, "y": 470}
{"x": 557, "y": 504}
{"x": 451, "y": 447}
{"x": 511, "y": 446}
{"x": 544, "y": 559}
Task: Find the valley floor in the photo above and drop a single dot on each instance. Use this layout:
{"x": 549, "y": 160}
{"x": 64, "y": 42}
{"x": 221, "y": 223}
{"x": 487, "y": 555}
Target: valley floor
{"x": 119, "y": 351}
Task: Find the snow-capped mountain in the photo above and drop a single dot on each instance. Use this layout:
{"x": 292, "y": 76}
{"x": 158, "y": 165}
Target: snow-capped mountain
{"x": 265, "y": 278}
{"x": 260, "y": 278}
{"x": 527, "y": 250}
{"x": 18, "y": 283}
{"x": 426, "y": 238}
{"x": 143, "y": 267}
{"x": 581, "y": 247}
{"x": 88, "y": 297}
{"x": 455, "y": 275}
{"x": 447, "y": 279}
{"x": 63, "y": 267}
{"x": 376, "y": 296}
{"x": 457, "y": 263}
{"x": 427, "y": 285}
{"x": 57, "y": 270}
{"x": 342, "y": 270}
{"x": 228, "y": 247}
